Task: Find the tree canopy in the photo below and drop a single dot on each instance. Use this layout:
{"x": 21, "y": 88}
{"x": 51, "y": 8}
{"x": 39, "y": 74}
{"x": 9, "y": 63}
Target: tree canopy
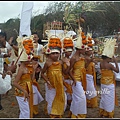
{"x": 101, "y": 18}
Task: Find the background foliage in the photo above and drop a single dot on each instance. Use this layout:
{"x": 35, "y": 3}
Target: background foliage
{"x": 101, "y": 18}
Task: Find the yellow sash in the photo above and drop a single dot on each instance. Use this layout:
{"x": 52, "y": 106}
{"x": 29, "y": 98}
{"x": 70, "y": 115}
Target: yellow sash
{"x": 54, "y": 74}
{"x": 26, "y": 82}
{"x": 79, "y": 72}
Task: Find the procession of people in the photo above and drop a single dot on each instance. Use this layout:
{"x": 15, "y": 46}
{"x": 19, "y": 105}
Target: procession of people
{"x": 69, "y": 78}
{"x": 68, "y": 72}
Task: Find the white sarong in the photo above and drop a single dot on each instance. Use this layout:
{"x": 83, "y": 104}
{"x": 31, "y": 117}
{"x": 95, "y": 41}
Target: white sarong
{"x": 37, "y": 97}
{"x": 69, "y": 96}
{"x": 78, "y": 104}
{"x": 90, "y": 91}
{"x": 107, "y": 101}
{"x": 49, "y": 97}
{"x": 24, "y": 107}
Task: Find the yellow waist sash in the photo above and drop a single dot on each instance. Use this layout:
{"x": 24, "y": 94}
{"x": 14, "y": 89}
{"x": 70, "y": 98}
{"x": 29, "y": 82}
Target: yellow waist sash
{"x": 107, "y": 77}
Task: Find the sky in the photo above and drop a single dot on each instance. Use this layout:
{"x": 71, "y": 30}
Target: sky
{"x": 12, "y": 9}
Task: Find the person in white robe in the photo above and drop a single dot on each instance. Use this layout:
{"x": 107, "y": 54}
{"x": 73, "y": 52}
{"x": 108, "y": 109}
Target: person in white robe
{"x": 108, "y": 98}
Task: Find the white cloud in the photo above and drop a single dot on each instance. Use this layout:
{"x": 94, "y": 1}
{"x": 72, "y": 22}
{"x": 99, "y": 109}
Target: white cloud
{"x": 12, "y": 9}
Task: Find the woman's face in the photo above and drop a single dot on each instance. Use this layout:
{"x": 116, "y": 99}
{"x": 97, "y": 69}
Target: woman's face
{"x": 38, "y": 69}
{"x": 35, "y": 38}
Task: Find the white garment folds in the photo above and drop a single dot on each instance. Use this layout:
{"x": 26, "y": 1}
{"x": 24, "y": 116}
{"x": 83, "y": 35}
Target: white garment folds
{"x": 90, "y": 92}
{"x": 5, "y": 84}
{"x": 78, "y": 104}
{"x": 107, "y": 101}
{"x": 49, "y": 97}
{"x": 24, "y": 105}
{"x": 69, "y": 96}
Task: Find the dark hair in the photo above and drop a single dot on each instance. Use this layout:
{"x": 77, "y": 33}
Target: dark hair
{"x": 104, "y": 57}
{"x": 94, "y": 36}
{"x": 35, "y": 33}
{"x": 37, "y": 74}
{"x": 3, "y": 34}
{"x": 77, "y": 48}
{"x": 5, "y": 63}
{"x": 24, "y": 35}
{"x": 39, "y": 66}
{"x": 39, "y": 40}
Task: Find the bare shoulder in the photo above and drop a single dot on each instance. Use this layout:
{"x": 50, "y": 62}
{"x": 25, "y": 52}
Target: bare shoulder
{"x": 73, "y": 58}
{"x": 101, "y": 65}
{"x": 61, "y": 61}
{"x": 21, "y": 68}
{"x": 47, "y": 63}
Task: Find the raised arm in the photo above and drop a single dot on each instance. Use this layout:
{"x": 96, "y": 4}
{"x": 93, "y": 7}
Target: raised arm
{"x": 116, "y": 68}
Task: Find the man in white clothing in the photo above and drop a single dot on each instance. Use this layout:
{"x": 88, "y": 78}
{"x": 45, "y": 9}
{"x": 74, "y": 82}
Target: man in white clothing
{"x": 5, "y": 82}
